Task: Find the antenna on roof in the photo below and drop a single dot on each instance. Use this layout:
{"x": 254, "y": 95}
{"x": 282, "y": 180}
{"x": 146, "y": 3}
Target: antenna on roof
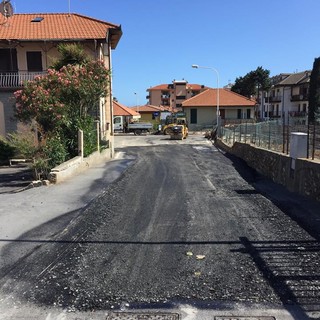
{"x": 69, "y": 7}
{"x": 6, "y": 8}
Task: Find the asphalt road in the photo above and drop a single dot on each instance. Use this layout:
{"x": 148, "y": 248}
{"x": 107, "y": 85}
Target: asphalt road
{"x": 184, "y": 224}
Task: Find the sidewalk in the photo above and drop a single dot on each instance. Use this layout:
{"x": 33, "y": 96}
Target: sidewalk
{"x": 23, "y": 211}
{"x": 15, "y": 178}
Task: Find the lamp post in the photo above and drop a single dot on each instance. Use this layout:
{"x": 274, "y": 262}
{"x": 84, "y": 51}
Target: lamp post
{"x": 218, "y": 93}
{"x": 137, "y": 101}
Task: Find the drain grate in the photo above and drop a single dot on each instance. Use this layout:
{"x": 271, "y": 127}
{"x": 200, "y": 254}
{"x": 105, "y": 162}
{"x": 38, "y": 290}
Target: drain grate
{"x": 244, "y": 318}
{"x": 142, "y": 316}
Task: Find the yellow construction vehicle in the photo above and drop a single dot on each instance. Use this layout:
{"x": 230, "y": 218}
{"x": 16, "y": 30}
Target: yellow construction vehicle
{"x": 173, "y": 120}
{"x": 178, "y": 131}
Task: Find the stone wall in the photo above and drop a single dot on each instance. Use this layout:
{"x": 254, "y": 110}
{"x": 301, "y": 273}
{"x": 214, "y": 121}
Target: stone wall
{"x": 304, "y": 179}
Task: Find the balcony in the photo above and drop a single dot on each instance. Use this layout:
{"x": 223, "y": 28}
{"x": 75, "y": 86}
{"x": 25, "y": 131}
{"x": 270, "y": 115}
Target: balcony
{"x": 275, "y": 99}
{"x": 17, "y": 79}
{"x": 298, "y": 114}
{"x": 299, "y": 97}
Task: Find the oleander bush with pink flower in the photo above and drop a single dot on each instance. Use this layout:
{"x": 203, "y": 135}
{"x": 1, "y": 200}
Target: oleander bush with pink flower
{"x": 60, "y": 103}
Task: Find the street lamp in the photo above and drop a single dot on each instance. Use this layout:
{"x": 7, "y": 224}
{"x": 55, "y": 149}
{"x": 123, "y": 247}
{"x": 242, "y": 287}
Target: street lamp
{"x": 136, "y": 94}
{"x": 218, "y": 93}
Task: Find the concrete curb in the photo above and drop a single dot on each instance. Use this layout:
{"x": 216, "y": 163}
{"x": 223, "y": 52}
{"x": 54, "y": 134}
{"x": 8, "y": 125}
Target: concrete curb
{"x": 78, "y": 165}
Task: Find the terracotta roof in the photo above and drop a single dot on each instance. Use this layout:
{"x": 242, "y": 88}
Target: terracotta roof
{"x": 150, "y": 108}
{"x": 159, "y": 87}
{"x": 189, "y": 86}
{"x": 56, "y": 26}
{"x": 147, "y": 108}
{"x": 121, "y": 110}
{"x": 227, "y": 98}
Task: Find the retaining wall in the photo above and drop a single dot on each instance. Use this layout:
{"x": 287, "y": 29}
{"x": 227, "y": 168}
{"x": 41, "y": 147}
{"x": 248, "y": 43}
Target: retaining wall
{"x": 304, "y": 179}
{"x": 77, "y": 165}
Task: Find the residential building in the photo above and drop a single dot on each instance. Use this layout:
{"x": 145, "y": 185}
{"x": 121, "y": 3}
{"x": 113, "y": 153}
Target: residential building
{"x": 201, "y": 110}
{"x": 287, "y": 98}
{"x": 173, "y": 94}
{"x": 154, "y": 114}
{"x": 121, "y": 110}
{"x": 122, "y": 115}
{"x": 28, "y": 46}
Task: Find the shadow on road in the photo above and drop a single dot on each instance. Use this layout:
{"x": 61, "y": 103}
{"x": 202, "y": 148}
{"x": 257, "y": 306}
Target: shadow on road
{"x": 290, "y": 267}
{"x": 305, "y": 211}
{"x": 14, "y": 178}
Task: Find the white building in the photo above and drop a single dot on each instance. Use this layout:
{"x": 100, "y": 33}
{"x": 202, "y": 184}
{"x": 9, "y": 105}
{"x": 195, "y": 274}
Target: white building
{"x": 287, "y": 98}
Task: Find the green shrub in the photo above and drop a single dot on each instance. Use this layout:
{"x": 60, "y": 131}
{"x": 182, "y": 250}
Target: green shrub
{"x": 23, "y": 144}
{"x": 55, "y": 151}
{"x": 87, "y": 125}
{"x": 48, "y": 157}
{"x": 41, "y": 168}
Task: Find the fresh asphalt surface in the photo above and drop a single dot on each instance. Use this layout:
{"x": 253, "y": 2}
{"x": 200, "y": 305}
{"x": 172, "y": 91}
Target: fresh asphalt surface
{"x": 175, "y": 226}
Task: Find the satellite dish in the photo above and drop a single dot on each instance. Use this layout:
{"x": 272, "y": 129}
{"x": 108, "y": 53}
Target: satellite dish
{"x": 6, "y": 8}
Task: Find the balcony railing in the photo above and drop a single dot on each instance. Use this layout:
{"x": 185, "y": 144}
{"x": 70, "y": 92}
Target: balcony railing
{"x": 298, "y": 114}
{"x": 275, "y": 99}
{"x": 299, "y": 97}
{"x": 17, "y": 79}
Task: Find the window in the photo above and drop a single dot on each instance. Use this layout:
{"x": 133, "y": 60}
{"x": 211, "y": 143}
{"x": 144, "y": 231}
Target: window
{"x": 248, "y": 113}
{"x": 239, "y": 114}
{"x": 34, "y": 61}
{"x": 193, "y": 116}
{"x": 37, "y": 19}
{"x": 8, "y": 60}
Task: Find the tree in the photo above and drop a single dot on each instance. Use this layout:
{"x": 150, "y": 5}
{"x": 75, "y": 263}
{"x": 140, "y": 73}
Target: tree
{"x": 252, "y": 83}
{"x": 71, "y": 53}
{"x": 314, "y": 93}
{"x": 244, "y": 86}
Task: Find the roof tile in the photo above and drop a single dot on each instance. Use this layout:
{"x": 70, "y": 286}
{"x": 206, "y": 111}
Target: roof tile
{"x": 121, "y": 110}
{"x": 295, "y": 78}
{"x": 54, "y": 26}
{"x": 227, "y": 98}
{"x": 189, "y": 86}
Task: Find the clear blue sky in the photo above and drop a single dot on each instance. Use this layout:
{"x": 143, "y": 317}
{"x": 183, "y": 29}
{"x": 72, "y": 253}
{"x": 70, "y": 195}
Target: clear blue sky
{"x": 163, "y": 38}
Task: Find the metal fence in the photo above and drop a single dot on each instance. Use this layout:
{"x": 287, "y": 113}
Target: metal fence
{"x": 272, "y": 135}
{"x": 17, "y": 79}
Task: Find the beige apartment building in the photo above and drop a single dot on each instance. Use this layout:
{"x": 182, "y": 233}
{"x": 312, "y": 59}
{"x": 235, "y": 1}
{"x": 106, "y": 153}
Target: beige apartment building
{"x": 28, "y": 45}
{"x": 173, "y": 94}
